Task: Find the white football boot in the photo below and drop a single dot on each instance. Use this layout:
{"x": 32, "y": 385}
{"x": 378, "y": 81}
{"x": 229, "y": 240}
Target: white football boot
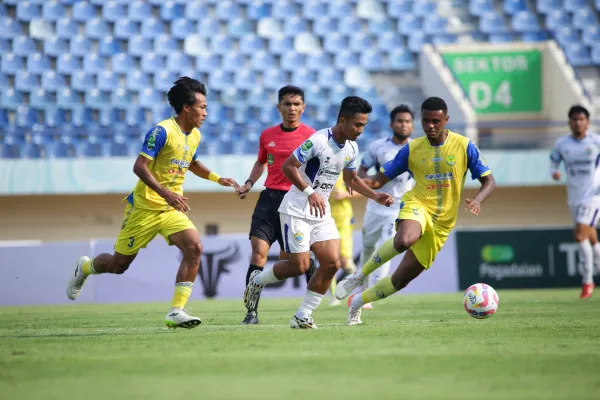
{"x": 177, "y": 318}
{"x": 302, "y": 323}
{"x": 348, "y": 284}
{"x": 354, "y": 317}
{"x": 77, "y": 280}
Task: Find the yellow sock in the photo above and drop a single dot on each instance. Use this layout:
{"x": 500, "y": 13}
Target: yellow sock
{"x": 382, "y": 255}
{"x": 382, "y": 289}
{"x": 332, "y": 287}
{"x": 183, "y": 290}
{"x": 88, "y": 267}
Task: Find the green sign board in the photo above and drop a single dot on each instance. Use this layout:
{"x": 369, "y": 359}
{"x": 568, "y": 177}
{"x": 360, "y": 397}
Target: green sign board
{"x": 500, "y": 82}
{"x": 518, "y": 259}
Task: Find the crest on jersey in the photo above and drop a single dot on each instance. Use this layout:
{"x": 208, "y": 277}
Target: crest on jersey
{"x": 270, "y": 159}
{"x": 589, "y": 151}
{"x": 299, "y": 237}
{"x": 271, "y": 144}
{"x": 451, "y": 160}
{"x": 346, "y": 160}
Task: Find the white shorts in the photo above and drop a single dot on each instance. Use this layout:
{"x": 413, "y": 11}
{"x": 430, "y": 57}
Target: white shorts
{"x": 300, "y": 233}
{"x": 586, "y": 214}
{"x": 377, "y": 228}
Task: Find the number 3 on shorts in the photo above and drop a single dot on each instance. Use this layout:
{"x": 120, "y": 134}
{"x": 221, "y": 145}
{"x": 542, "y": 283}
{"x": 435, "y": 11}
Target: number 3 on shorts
{"x": 131, "y": 241}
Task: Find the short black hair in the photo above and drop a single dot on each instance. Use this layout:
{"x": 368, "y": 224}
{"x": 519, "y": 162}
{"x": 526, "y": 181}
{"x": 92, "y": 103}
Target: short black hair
{"x": 352, "y": 105}
{"x": 577, "y": 109}
{"x": 289, "y": 89}
{"x": 402, "y": 108}
{"x": 434, "y": 104}
{"x": 184, "y": 92}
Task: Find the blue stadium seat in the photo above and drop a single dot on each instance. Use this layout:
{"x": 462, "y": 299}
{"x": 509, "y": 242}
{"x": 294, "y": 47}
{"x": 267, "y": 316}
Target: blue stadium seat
{"x": 4, "y": 84}
{"x": 41, "y": 98}
{"x": 208, "y": 62}
{"x": 416, "y": 41}
{"x": 344, "y": 58}
{"x": 314, "y": 9}
{"x": 26, "y": 81}
{"x": 596, "y": 54}
{"x": 578, "y": 55}
{"x": 179, "y": 62}
{"x": 547, "y": 6}
{"x": 122, "y": 63}
{"x": 171, "y": 10}
{"x": 66, "y": 28}
{"x": 10, "y": 148}
{"x": 3, "y": 12}
{"x": 566, "y": 35}
{"x": 257, "y": 10}
{"x": 140, "y": 11}
{"x": 274, "y": 78}
{"x": 11, "y": 63}
{"x": 220, "y": 80}
{"x": 435, "y": 24}
{"x": 349, "y": 25}
{"x": 54, "y": 117}
{"x": 149, "y": 97}
{"x": 399, "y": 9}
{"x": 239, "y": 27}
{"x": 40, "y": 29}
{"x": 325, "y": 26}
{"x": 27, "y": 10}
{"x": 3, "y": 121}
{"x": 439, "y": 40}
{"x": 424, "y": 8}
{"x": 107, "y": 81}
{"x": 591, "y": 35}
{"x": 165, "y": 45}
{"x": 195, "y": 10}
{"x": 25, "y": 117}
{"x": 409, "y": 24}
{"x": 283, "y": 10}
{"x": 55, "y": 46}
{"x": 113, "y": 11}
{"x": 329, "y": 77}
{"x": 23, "y": 46}
{"x": 67, "y": 98}
{"x": 514, "y": 6}
{"x": 584, "y": 17}
{"x": 93, "y": 147}
{"x": 557, "y": 18}
{"x": 153, "y": 27}
{"x": 64, "y": 148}
{"x": 95, "y": 98}
{"x": 318, "y": 60}
{"x": 574, "y": 5}
{"x": 389, "y": 40}
{"x": 96, "y": 28}
{"x": 381, "y": 25}
{"x": 269, "y": 28}
{"x": 492, "y": 23}
{"x": 262, "y": 59}
{"x": 372, "y": 60}
{"x": 525, "y": 21}
{"x": 108, "y": 46}
{"x": 245, "y": 79}
{"x": 125, "y": 28}
{"x": 370, "y": 10}
{"x": 502, "y": 38}
{"x": 80, "y": 45}
{"x": 232, "y": 62}
{"x": 340, "y": 9}
{"x": 228, "y": 10}
{"x": 361, "y": 42}
{"x": 137, "y": 80}
{"x": 163, "y": 80}
{"x": 135, "y": 116}
{"x": 481, "y": 7}
{"x": 108, "y": 116}
{"x": 291, "y": 61}
{"x": 38, "y": 63}
{"x": 152, "y": 62}
{"x": 335, "y": 42}
{"x": 303, "y": 77}
{"x": 221, "y": 44}
{"x": 196, "y": 45}
{"x": 81, "y": 116}
{"x": 258, "y": 96}
{"x": 93, "y": 63}
{"x": 140, "y": 45}
{"x": 9, "y": 28}
{"x": 306, "y": 43}
{"x": 294, "y": 25}
{"x": 182, "y": 28}
{"x": 538, "y": 36}
{"x": 83, "y": 11}
{"x": 5, "y": 46}
{"x": 82, "y": 81}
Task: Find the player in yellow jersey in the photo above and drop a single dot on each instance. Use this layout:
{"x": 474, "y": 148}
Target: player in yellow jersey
{"x": 438, "y": 162}
{"x": 343, "y": 215}
{"x": 157, "y": 206}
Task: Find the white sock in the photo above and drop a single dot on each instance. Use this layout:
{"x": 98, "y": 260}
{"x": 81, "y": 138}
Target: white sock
{"x": 587, "y": 261}
{"x": 266, "y": 277}
{"x": 596, "y": 250}
{"x": 357, "y": 301}
{"x": 309, "y": 304}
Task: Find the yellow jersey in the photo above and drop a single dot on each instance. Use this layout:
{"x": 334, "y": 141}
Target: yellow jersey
{"x": 439, "y": 173}
{"x": 340, "y": 208}
{"x": 171, "y": 151}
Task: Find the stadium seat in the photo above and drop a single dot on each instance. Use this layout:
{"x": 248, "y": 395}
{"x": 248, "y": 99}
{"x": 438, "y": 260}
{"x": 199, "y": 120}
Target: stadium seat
{"x": 262, "y": 59}
{"x": 195, "y": 10}
{"x": 274, "y": 78}
{"x": 113, "y": 11}
{"x": 149, "y": 97}
{"x": 538, "y": 36}
{"x": 11, "y": 63}
{"x": 122, "y": 63}
{"x": 228, "y": 10}
{"x": 325, "y": 26}
{"x": 54, "y": 117}
{"x": 54, "y": 46}
{"x": 335, "y": 42}
{"x": 41, "y": 98}
{"x": 165, "y": 45}
{"x": 303, "y": 77}
{"x": 295, "y": 25}
{"x": 26, "y": 81}
{"x": 80, "y": 45}
{"x": 595, "y": 56}
{"x": 481, "y": 7}
{"x": 525, "y": 21}
{"x": 435, "y": 24}
{"x": 258, "y": 96}
{"x": 492, "y": 23}
{"x": 269, "y": 28}
{"x": 153, "y": 27}
{"x": 381, "y": 26}
{"x": 27, "y": 10}
{"x": 566, "y": 36}
{"x": 591, "y": 35}
{"x": 125, "y": 28}
{"x": 416, "y": 41}
{"x": 329, "y": 77}
{"x": 514, "y": 6}
{"x": 340, "y": 9}
{"x": 38, "y": 63}
{"x": 67, "y": 99}
{"x": 207, "y": 62}
{"x": 179, "y": 62}
{"x": 9, "y": 28}
{"x": 314, "y": 9}
{"x": 318, "y": 60}
{"x": 220, "y": 79}
{"x": 389, "y": 40}
{"x": 372, "y": 60}
{"x": 370, "y": 9}
{"x": 251, "y": 43}
{"x": 245, "y": 79}
{"x": 424, "y": 8}
{"x": 399, "y": 8}
{"x": 161, "y": 112}
{"x": 349, "y": 25}
{"x": 108, "y": 116}
{"x": 557, "y": 18}
{"x": 221, "y": 44}
{"x": 94, "y": 64}
{"x": 548, "y": 6}
{"x": 578, "y": 55}
{"x": 584, "y": 17}
{"x": 239, "y": 27}
{"x": 107, "y": 81}
{"x": 151, "y": 62}
{"x": 409, "y": 24}
{"x": 361, "y": 41}
{"x": 66, "y": 28}
{"x": 95, "y": 98}
{"x": 306, "y": 43}
{"x": 574, "y": 5}
{"x": 97, "y": 28}
{"x": 81, "y": 81}
{"x": 281, "y": 45}
{"x": 67, "y": 64}
{"x": 40, "y": 29}
{"x": 342, "y": 59}
{"x": 4, "y": 84}
{"x": 439, "y": 40}
{"x": 182, "y": 28}
{"x": 140, "y": 11}
{"x": 23, "y": 46}
{"x": 232, "y": 62}
{"x": 140, "y": 45}
{"x": 10, "y": 149}
{"x": 108, "y": 46}
{"x": 81, "y": 116}
{"x": 502, "y": 38}
{"x": 137, "y": 80}
{"x": 6, "y": 46}
{"x": 196, "y": 45}
{"x": 283, "y": 10}
{"x": 171, "y": 10}
{"x": 25, "y": 117}
{"x": 83, "y": 11}
{"x": 134, "y": 115}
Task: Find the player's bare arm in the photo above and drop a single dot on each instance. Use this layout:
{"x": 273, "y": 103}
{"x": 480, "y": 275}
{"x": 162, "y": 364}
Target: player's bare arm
{"x": 291, "y": 170}
{"x": 257, "y": 170}
{"x": 203, "y": 172}
{"x": 488, "y": 184}
{"x": 364, "y": 175}
{"x": 379, "y": 180}
{"x": 140, "y": 168}
{"x": 355, "y": 183}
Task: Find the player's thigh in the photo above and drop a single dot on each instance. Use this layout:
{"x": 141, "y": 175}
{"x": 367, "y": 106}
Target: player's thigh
{"x": 187, "y": 240}
{"x": 429, "y": 245}
{"x": 585, "y": 217}
{"x": 138, "y": 229}
{"x": 410, "y": 267}
{"x": 177, "y": 229}
{"x": 411, "y": 224}
{"x": 296, "y": 233}
{"x": 325, "y": 242}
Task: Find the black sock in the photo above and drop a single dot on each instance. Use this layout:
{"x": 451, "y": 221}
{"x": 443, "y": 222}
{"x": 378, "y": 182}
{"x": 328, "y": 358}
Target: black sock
{"x": 311, "y": 271}
{"x": 251, "y": 269}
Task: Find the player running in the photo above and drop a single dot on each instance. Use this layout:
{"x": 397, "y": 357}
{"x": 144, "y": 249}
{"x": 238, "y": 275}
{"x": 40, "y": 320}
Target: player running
{"x": 378, "y": 223}
{"x": 438, "y": 163}
{"x": 304, "y": 212}
{"x": 276, "y": 145}
{"x": 580, "y": 152}
{"x": 157, "y": 205}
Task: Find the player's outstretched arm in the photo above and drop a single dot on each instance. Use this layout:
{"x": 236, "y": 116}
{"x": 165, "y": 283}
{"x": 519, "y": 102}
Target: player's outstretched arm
{"x": 355, "y": 183}
{"x": 257, "y": 170}
{"x": 140, "y": 168}
{"x": 203, "y": 172}
{"x": 379, "y": 180}
{"x": 488, "y": 184}
{"x": 291, "y": 170}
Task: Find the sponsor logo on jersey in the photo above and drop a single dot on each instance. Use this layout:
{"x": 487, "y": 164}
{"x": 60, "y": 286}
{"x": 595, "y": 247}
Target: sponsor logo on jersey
{"x": 270, "y": 158}
{"x": 151, "y": 142}
{"x": 299, "y": 237}
{"x": 439, "y": 176}
{"x": 180, "y": 163}
{"x": 436, "y": 159}
{"x": 346, "y": 160}
{"x": 451, "y": 160}
{"x": 272, "y": 144}
{"x": 306, "y": 145}
{"x": 438, "y": 186}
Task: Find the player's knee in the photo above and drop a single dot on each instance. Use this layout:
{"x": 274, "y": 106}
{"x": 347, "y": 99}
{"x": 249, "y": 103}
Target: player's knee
{"x": 194, "y": 251}
{"x": 302, "y": 265}
{"x": 404, "y": 241}
{"x": 120, "y": 266}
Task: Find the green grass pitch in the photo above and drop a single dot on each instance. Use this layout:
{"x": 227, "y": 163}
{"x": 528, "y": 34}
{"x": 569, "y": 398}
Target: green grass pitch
{"x": 542, "y": 344}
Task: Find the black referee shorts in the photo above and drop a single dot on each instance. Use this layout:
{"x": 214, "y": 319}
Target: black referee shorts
{"x": 265, "y": 219}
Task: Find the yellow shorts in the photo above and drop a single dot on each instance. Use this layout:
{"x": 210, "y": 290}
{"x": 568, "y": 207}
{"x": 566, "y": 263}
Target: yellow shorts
{"x": 433, "y": 236}
{"x": 344, "y": 225}
{"x": 140, "y": 226}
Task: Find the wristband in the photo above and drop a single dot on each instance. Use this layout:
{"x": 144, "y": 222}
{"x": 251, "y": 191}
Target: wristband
{"x": 249, "y": 180}
{"x": 213, "y": 176}
{"x": 308, "y": 191}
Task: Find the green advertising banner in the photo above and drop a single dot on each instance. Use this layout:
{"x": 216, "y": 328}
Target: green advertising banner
{"x": 500, "y": 82}
{"x": 518, "y": 259}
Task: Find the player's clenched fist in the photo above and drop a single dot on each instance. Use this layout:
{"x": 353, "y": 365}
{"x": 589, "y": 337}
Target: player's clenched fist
{"x": 384, "y": 199}
{"x": 473, "y": 206}
{"x": 317, "y": 205}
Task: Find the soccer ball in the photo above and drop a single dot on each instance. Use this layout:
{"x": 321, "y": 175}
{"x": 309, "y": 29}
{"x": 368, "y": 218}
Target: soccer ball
{"x": 481, "y": 301}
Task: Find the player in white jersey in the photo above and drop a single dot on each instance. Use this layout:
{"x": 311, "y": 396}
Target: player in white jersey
{"x": 580, "y": 153}
{"x": 379, "y": 222}
{"x": 306, "y": 222}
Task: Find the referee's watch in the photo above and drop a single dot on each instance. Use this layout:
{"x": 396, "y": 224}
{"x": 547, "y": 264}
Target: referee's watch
{"x": 251, "y": 183}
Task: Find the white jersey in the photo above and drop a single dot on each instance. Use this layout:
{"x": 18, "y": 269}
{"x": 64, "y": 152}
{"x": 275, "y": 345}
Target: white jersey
{"x": 581, "y": 158}
{"x": 323, "y": 159}
{"x": 378, "y": 154}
